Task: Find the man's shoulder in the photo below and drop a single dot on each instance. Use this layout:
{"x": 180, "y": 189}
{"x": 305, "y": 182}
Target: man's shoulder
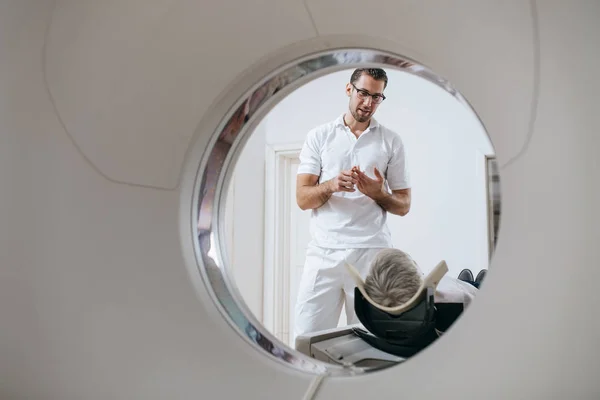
{"x": 327, "y": 127}
{"x": 388, "y": 133}
{"x": 324, "y": 129}
{"x": 390, "y": 136}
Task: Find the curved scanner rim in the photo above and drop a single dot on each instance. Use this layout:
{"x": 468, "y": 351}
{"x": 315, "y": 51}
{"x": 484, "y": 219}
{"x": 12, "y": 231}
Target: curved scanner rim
{"x": 431, "y": 280}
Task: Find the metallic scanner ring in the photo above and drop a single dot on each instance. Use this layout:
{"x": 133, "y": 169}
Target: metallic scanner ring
{"x": 216, "y": 168}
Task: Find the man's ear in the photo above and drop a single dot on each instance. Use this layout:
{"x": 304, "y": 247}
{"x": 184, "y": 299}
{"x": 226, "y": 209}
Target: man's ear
{"x": 348, "y": 89}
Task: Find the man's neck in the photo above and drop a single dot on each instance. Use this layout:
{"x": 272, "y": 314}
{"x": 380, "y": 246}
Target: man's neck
{"x": 355, "y": 127}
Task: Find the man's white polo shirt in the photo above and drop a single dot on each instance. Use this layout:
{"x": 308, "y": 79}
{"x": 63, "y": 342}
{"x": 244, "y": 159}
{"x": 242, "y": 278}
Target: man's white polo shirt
{"x": 352, "y": 220}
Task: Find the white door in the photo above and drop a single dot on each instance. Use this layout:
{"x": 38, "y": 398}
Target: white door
{"x": 299, "y": 238}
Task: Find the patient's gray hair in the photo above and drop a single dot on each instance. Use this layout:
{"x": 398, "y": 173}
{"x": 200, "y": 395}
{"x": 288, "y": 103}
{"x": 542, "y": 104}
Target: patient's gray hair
{"x": 393, "y": 278}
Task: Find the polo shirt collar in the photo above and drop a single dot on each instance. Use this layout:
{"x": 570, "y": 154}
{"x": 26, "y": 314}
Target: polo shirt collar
{"x": 373, "y": 125}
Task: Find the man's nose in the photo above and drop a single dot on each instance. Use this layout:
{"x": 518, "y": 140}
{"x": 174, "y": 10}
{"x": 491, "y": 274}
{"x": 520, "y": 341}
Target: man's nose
{"x": 368, "y": 100}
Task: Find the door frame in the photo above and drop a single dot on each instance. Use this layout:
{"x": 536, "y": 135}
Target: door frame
{"x": 276, "y": 277}
{"x": 492, "y": 179}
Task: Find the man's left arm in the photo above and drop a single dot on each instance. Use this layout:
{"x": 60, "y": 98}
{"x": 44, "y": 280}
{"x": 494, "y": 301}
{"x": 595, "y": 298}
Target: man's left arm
{"x": 397, "y": 202}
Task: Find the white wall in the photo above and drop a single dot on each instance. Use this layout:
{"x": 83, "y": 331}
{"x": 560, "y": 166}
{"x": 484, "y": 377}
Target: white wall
{"x": 445, "y": 146}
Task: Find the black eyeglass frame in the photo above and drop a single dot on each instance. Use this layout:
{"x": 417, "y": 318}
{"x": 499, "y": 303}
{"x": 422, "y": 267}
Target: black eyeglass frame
{"x": 366, "y": 93}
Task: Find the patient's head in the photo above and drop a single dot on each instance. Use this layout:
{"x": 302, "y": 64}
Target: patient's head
{"x": 393, "y": 278}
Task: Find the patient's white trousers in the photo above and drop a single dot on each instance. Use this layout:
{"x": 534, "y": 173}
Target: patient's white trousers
{"x": 326, "y": 286}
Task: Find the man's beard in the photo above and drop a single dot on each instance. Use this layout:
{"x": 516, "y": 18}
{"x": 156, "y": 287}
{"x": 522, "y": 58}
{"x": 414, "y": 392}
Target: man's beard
{"x": 360, "y": 118}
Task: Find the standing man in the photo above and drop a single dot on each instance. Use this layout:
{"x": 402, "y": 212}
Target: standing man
{"x": 353, "y": 171}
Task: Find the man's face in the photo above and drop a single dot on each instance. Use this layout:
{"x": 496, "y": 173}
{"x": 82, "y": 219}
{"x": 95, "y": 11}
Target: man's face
{"x": 362, "y": 105}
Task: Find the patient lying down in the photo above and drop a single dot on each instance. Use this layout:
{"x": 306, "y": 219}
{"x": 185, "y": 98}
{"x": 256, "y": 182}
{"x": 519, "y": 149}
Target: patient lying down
{"x": 394, "y": 278}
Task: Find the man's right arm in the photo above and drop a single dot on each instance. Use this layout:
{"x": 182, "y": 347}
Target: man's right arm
{"x": 310, "y": 194}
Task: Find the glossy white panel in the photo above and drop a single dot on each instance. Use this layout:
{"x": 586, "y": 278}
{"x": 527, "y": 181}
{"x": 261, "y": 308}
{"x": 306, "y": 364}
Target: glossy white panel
{"x": 95, "y": 302}
{"x": 131, "y": 79}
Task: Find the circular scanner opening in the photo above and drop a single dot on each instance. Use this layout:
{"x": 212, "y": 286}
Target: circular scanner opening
{"x": 265, "y": 253}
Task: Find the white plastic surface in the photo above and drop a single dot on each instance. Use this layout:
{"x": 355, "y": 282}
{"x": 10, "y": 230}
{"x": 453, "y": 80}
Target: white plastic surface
{"x": 132, "y": 79}
{"x": 96, "y": 299}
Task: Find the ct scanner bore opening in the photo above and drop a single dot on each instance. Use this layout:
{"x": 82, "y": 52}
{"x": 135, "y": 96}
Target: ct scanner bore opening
{"x": 216, "y": 170}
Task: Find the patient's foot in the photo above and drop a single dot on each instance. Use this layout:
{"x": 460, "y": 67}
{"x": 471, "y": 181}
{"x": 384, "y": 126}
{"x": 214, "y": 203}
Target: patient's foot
{"x": 480, "y": 276}
{"x": 466, "y": 275}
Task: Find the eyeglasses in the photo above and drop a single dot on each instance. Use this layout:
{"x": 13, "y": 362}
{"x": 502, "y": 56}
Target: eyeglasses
{"x": 363, "y": 94}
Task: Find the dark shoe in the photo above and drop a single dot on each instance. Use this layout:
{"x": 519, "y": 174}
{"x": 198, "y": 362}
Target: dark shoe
{"x": 466, "y": 275}
{"x": 480, "y": 276}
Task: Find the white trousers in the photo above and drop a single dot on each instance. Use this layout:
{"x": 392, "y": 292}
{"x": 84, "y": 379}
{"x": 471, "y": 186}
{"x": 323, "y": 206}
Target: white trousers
{"x": 326, "y": 286}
